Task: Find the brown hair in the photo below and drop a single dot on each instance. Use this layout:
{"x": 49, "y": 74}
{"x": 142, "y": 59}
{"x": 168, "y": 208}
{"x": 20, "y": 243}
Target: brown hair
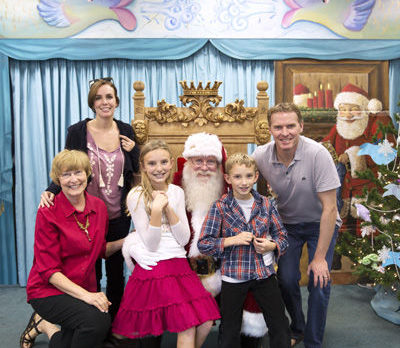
{"x": 285, "y": 107}
{"x": 145, "y": 184}
{"x": 240, "y": 159}
{"x": 95, "y": 87}
{"x": 68, "y": 160}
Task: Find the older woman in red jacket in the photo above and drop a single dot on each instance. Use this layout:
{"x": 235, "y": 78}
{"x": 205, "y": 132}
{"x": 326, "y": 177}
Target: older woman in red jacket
{"x": 69, "y": 238}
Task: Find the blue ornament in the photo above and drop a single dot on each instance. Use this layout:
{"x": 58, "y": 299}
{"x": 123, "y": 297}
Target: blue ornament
{"x": 392, "y": 259}
{"x": 382, "y": 153}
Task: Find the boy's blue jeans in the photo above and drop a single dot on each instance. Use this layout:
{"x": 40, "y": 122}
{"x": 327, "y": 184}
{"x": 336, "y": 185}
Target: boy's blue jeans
{"x": 289, "y": 277}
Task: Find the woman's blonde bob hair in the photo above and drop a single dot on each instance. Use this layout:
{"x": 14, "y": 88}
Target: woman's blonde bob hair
{"x": 68, "y": 160}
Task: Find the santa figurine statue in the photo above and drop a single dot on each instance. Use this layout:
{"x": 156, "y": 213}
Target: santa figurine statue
{"x": 200, "y": 174}
{"x": 300, "y": 95}
{"x": 357, "y": 122}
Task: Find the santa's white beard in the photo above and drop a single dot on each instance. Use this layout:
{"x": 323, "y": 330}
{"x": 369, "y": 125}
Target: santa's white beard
{"x": 200, "y": 193}
{"x": 351, "y": 130}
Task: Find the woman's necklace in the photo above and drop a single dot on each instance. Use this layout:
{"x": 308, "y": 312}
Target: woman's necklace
{"x": 84, "y": 228}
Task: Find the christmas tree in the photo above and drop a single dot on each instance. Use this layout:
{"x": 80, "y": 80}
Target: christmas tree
{"x": 376, "y": 253}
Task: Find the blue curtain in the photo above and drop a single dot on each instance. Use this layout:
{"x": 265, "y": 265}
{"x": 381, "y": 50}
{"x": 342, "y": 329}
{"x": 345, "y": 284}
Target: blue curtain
{"x": 50, "y": 95}
{"x": 7, "y": 232}
{"x": 394, "y": 87}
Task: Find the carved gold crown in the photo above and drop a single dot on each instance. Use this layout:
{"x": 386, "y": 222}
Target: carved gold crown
{"x": 199, "y": 90}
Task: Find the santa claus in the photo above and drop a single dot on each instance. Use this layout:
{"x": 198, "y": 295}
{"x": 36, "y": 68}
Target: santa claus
{"x": 200, "y": 174}
{"x": 357, "y": 122}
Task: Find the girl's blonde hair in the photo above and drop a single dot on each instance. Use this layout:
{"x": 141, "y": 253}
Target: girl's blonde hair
{"x": 145, "y": 184}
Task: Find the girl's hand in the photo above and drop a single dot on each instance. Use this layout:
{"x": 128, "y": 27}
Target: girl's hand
{"x": 155, "y": 193}
{"x": 46, "y": 199}
{"x": 97, "y": 299}
{"x": 160, "y": 200}
{"x": 263, "y": 245}
{"x": 127, "y": 143}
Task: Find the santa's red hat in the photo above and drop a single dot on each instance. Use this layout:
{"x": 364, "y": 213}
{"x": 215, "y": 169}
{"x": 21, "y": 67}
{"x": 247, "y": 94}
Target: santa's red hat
{"x": 352, "y": 94}
{"x": 300, "y": 95}
{"x": 203, "y": 144}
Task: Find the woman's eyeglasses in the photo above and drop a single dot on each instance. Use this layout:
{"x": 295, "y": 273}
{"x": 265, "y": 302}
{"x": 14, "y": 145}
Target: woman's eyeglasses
{"x": 76, "y": 173}
{"x": 109, "y": 79}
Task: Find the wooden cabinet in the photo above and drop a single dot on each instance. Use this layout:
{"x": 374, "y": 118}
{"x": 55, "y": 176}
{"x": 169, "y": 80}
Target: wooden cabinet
{"x": 372, "y": 76}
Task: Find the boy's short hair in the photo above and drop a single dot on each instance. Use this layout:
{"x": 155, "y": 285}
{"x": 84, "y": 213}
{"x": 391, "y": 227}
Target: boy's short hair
{"x": 67, "y": 160}
{"x": 240, "y": 159}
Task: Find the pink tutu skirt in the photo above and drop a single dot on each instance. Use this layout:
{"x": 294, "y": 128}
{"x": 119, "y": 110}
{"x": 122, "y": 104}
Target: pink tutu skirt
{"x": 170, "y": 297}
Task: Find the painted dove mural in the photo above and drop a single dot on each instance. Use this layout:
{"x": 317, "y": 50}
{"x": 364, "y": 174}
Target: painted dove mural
{"x": 352, "y": 19}
{"x": 60, "y": 18}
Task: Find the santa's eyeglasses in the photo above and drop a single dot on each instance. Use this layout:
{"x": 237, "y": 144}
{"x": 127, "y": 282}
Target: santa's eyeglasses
{"x": 201, "y": 162}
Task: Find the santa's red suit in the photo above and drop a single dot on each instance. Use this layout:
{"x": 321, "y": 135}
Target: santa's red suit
{"x": 253, "y": 323}
{"x": 352, "y": 185}
{"x": 357, "y": 123}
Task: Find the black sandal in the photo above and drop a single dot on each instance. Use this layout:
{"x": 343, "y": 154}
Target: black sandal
{"x": 26, "y": 338}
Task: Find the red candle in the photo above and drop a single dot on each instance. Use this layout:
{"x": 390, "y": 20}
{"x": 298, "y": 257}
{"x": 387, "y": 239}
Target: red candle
{"x": 315, "y": 100}
{"x": 321, "y": 97}
{"x": 328, "y": 97}
{"x": 310, "y": 101}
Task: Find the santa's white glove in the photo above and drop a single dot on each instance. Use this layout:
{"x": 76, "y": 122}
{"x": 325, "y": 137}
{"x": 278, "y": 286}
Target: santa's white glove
{"x": 133, "y": 248}
{"x": 358, "y": 163}
{"x": 145, "y": 261}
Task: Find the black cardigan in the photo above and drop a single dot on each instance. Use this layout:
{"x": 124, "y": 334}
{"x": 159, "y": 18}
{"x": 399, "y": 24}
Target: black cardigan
{"x": 76, "y": 140}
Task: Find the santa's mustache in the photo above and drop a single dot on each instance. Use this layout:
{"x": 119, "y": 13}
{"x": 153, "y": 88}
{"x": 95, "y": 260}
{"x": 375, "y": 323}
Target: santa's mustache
{"x": 353, "y": 118}
{"x": 205, "y": 172}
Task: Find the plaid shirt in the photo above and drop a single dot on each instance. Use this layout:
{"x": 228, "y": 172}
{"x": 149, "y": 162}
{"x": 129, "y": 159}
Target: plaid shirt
{"x": 226, "y": 219}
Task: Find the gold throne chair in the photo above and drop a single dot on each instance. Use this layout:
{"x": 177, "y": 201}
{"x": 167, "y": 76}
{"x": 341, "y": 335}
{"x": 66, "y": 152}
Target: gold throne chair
{"x": 235, "y": 124}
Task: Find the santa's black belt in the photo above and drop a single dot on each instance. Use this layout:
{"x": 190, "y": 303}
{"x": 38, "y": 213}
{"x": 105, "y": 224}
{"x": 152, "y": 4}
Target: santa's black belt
{"x": 203, "y": 265}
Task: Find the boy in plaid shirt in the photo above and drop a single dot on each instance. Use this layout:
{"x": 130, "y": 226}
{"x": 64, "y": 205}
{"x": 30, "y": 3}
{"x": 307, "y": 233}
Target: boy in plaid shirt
{"x": 244, "y": 229}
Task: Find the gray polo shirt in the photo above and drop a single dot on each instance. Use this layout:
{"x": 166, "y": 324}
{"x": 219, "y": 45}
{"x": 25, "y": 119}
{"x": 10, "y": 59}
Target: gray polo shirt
{"x": 311, "y": 171}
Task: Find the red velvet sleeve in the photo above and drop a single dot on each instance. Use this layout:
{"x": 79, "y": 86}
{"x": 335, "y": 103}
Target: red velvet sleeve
{"x": 47, "y": 245}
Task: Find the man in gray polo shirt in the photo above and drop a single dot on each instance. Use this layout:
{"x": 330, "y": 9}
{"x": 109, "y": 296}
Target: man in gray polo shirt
{"x": 303, "y": 175}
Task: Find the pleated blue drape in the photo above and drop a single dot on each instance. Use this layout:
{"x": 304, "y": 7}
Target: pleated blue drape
{"x": 394, "y": 88}
{"x": 7, "y": 232}
{"x": 48, "y": 96}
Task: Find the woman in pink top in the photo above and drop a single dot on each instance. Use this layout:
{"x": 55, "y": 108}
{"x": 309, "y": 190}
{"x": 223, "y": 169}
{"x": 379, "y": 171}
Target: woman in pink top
{"x": 114, "y": 156}
{"x": 69, "y": 238}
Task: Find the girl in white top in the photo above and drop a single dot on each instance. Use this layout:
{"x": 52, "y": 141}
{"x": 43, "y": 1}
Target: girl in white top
{"x": 168, "y": 295}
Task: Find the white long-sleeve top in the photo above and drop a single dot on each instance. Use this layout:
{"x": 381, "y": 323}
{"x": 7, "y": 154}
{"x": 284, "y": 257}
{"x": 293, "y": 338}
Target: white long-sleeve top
{"x": 153, "y": 244}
